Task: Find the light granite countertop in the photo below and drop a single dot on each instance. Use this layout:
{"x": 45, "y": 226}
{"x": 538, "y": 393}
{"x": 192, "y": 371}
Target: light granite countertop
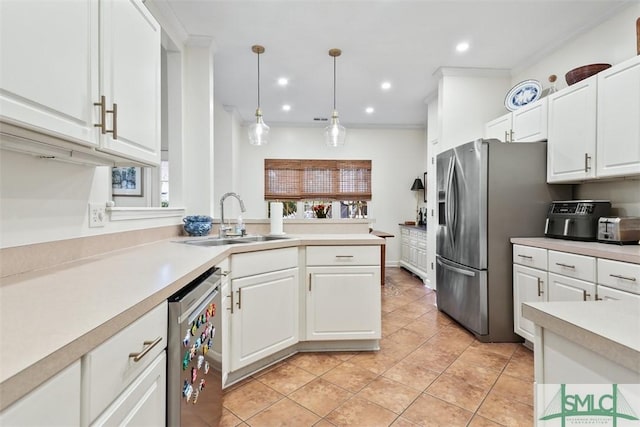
{"x": 608, "y": 328}
{"x": 50, "y": 318}
{"x": 625, "y": 253}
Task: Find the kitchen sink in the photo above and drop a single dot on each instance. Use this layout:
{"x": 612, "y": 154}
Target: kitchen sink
{"x": 217, "y": 241}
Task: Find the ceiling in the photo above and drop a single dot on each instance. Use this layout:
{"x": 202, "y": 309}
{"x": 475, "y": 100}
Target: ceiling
{"x": 399, "y": 41}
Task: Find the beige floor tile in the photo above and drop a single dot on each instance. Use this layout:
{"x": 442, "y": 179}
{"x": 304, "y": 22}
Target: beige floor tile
{"x": 375, "y": 362}
{"x": 414, "y": 309}
{"x": 480, "y": 357}
{"x": 286, "y": 378}
{"x": 396, "y": 317}
{"x": 403, "y": 422}
{"x": 389, "y": 394}
{"x": 316, "y": 363}
{"x": 457, "y": 391}
{"x": 504, "y": 348}
{"x": 249, "y": 399}
{"x": 479, "y": 376}
{"x": 478, "y": 421}
{"x": 506, "y": 412}
{"x": 429, "y": 411}
{"x": 361, "y": 412}
{"x": 284, "y": 413}
{"x": 435, "y": 317}
{"x": 320, "y": 396}
{"x": 415, "y": 376}
{"x": 228, "y": 419}
{"x": 349, "y": 376}
{"x": 424, "y": 329}
{"x": 407, "y": 338}
{"x": 432, "y": 357}
{"x": 454, "y": 343}
{"x": 520, "y": 367}
{"x": 323, "y": 423}
{"x": 514, "y": 388}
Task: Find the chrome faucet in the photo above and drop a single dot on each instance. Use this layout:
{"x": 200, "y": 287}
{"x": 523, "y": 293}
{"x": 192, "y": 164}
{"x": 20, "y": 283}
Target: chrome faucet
{"x": 225, "y": 228}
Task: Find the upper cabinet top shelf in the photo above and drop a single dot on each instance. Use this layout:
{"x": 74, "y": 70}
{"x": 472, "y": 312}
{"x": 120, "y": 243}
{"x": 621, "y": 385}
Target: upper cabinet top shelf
{"x": 60, "y": 64}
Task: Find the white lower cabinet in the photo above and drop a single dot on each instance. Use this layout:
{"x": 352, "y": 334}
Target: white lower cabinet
{"x": 143, "y": 403}
{"x": 343, "y": 300}
{"x": 606, "y": 293}
{"x": 562, "y": 288}
{"x": 413, "y": 241}
{"x": 54, "y": 403}
{"x": 529, "y": 285}
{"x": 264, "y": 306}
{"x": 124, "y": 378}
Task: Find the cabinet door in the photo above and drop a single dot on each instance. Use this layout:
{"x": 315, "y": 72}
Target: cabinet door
{"x": 143, "y": 403}
{"x": 571, "y": 144}
{"x": 610, "y": 294}
{"x": 530, "y": 122}
{"x": 49, "y": 67}
{"x": 563, "y": 288}
{"x": 499, "y": 128}
{"x": 54, "y": 403}
{"x": 343, "y": 303}
{"x": 529, "y": 285}
{"x": 130, "y": 47}
{"x": 265, "y": 316}
{"x": 618, "y": 112}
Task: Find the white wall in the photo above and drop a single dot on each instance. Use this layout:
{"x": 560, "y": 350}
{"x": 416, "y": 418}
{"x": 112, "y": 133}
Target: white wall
{"x": 398, "y": 156}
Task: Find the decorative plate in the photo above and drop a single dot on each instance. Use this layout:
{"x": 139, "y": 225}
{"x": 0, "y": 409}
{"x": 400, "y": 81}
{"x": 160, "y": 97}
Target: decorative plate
{"x": 522, "y": 94}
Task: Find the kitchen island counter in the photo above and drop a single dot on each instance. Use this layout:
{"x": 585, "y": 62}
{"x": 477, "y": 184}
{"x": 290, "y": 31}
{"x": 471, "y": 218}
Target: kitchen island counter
{"x": 70, "y": 309}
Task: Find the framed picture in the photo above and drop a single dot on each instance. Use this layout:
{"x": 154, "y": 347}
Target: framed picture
{"x": 126, "y": 181}
{"x": 424, "y": 180}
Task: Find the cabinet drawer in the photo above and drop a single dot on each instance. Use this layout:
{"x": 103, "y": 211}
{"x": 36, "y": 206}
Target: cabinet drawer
{"x": 252, "y": 263}
{"x": 343, "y": 255}
{"x": 530, "y": 256}
{"x": 108, "y": 369}
{"x": 604, "y": 293}
{"x": 619, "y": 275}
{"x": 572, "y": 265}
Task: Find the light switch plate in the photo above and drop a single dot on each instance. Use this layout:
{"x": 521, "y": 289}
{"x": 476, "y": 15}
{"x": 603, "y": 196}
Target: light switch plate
{"x": 97, "y": 215}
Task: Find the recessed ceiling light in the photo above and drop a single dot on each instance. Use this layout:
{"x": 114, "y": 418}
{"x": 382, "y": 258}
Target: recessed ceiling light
{"x": 385, "y": 85}
{"x": 369, "y": 110}
{"x": 462, "y": 47}
{"x": 286, "y": 107}
{"x": 283, "y": 81}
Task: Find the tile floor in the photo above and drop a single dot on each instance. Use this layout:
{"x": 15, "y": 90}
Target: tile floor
{"x": 428, "y": 372}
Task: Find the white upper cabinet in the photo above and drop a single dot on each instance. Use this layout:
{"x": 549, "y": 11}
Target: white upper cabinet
{"x": 619, "y": 120}
{"x": 59, "y": 58}
{"x": 131, "y": 48}
{"x": 572, "y": 132}
{"x": 526, "y": 124}
{"x": 49, "y": 67}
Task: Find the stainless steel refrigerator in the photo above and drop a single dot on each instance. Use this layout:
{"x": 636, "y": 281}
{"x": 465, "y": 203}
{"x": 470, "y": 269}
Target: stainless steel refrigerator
{"x": 488, "y": 192}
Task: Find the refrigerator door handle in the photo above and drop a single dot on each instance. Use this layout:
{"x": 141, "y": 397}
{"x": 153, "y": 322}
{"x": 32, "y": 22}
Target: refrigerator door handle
{"x": 456, "y": 269}
{"x": 454, "y": 203}
{"x": 448, "y": 200}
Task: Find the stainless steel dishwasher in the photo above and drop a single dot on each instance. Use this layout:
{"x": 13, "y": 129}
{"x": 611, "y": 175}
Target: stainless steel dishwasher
{"x": 194, "y": 356}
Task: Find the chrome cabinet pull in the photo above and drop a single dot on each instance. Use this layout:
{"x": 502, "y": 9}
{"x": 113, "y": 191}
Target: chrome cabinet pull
{"x": 226, "y": 273}
{"x": 506, "y": 136}
{"x": 617, "y": 276}
{"x": 565, "y": 265}
{"x": 540, "y": 291}
{"x": 239, "y": 298}
{"x": 148, "y": 346}
{"x": 231, "y": 307}
{"x": 114, "y": 129}
{"x": 597, "y": 298}
{"x": 344, "y": 256}
{"x": 511, "y": 135}
{"x": 103, "y": 115}
{"x": 309, "y": 282}
{"x": 525, "y": 256}
{"x": 587, "y": 158}
{"x": 585, "y": 295}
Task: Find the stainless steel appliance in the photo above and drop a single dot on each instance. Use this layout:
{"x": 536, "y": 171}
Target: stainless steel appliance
{"x": 194, "y": 356}
{"x": 575, "y": 219}
{"x": 488, "y": 192}
{"x": 620, "y": 230}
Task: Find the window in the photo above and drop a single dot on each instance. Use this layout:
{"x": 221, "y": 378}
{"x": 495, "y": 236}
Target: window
{"x": 290, "y": 179}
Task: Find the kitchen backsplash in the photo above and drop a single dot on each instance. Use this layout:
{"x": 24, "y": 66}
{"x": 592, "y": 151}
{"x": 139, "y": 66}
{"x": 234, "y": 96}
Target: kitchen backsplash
{"x": 624, "y": 195}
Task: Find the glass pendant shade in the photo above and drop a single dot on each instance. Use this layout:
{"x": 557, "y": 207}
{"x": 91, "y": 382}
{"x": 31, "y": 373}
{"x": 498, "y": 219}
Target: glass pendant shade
{"x": 258, "y": 131}
{"x": 335, "y": 134}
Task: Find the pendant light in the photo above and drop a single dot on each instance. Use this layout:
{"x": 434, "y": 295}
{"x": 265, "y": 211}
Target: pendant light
{"x": 258, "y": 131}
{"x": 335, "y": 133}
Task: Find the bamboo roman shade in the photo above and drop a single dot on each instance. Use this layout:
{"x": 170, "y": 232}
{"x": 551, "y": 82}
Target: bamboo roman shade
{"x": 291, "y": 179}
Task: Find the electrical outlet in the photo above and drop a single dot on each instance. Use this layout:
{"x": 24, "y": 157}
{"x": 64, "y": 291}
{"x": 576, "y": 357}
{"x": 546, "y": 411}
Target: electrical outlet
{"x": 97, "y": 215}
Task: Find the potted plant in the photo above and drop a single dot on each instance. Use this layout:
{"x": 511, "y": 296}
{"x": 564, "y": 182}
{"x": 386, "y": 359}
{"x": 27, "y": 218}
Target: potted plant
{"x": 320, "y": 210}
